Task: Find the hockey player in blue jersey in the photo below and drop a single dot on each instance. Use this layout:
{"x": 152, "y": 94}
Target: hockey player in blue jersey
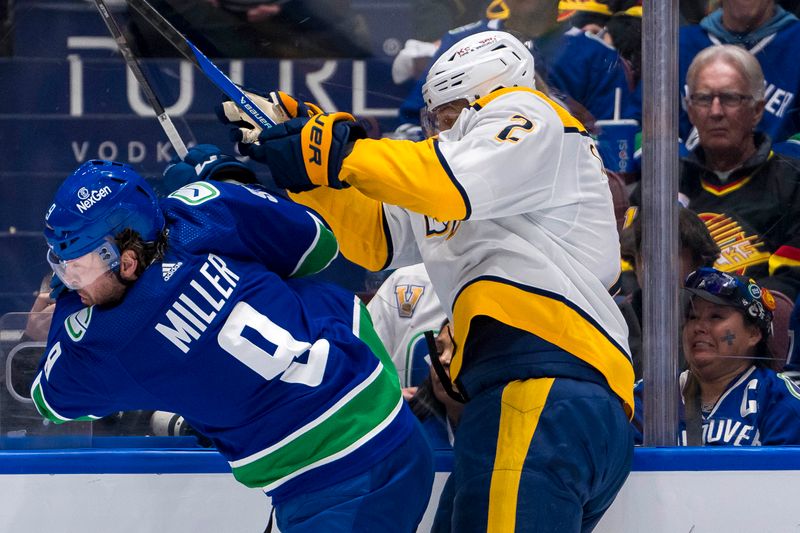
{"x": 731, "y": 396}
{"x": 193, "y": 304}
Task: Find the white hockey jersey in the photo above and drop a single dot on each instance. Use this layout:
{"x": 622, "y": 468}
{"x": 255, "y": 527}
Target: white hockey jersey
{"x": 510, "y": 211}
{"x": 402, "y": 310}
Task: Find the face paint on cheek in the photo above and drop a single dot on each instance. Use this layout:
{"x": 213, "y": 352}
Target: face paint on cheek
{"x": 729, "y": 337}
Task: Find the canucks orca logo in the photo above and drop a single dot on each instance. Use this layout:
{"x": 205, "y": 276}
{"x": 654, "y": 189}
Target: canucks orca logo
{"x": 76, "y": 324}
{"x": 195, "y": 193}
{"x": 407, "y": 297}
{"x": 794, "y": 390}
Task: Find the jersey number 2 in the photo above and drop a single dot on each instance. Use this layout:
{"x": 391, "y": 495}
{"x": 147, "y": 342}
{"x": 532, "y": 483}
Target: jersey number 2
{"x": 525, "y": 125}
{"x": 279, "y": 359}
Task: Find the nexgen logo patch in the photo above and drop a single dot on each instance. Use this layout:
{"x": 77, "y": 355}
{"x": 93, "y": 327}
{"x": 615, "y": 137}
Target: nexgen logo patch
{"x": 87, "y": 199}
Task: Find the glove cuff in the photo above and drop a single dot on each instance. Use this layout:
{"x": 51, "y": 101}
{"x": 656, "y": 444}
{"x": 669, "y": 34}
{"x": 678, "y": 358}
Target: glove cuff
{"x": 321, "y": 141}
{"x": 232, "y": 169}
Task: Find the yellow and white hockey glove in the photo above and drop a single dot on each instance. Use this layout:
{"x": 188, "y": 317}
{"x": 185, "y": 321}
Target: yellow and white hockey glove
{"x": 278, "y": 106}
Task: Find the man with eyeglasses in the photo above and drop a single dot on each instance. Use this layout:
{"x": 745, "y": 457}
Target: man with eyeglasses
{"x": 770, "y": 34}
{"x": 748, "y": 196}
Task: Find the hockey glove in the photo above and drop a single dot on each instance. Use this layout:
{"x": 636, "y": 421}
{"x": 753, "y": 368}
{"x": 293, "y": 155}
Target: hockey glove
{"x": 278, "y": 106}
{"x": 57, "y": 287}
{"x": 304, "y": 153}
{"x": 205, "y": 162}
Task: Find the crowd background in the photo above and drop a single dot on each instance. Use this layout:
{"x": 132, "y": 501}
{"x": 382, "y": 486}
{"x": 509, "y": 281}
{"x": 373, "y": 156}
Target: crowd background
{"x": 66, "y": 98}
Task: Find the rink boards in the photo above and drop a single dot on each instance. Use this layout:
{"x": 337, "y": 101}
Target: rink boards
{"x": 669, "y": 490}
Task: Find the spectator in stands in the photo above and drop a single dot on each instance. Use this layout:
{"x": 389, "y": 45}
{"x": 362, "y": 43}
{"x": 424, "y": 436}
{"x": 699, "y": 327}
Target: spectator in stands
{"x": 748, "y": 196}
{"x": 597, "y": 76}
{"x": 588, "y": 16}
{"x": 438, "y": 412}
{"x": 260, "y": 28}
{"x": 598, "y": 72}
{"x": 697, "y": 249}
{"x": 403, "y": 308}
{"x": 771, "y": 35}
{"x": 730, "y": 395}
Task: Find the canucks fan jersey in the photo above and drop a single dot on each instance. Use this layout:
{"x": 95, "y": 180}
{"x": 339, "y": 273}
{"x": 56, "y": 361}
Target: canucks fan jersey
{"x": 281, "y": 374}
{"x": 758, "y": 408}
{"x": 592, "y": 73}
{"x": 754, "y": 216}
{"x": 402, "y": 310}
{"x": 512, "y": 215}
{"x": 774, "y": 53}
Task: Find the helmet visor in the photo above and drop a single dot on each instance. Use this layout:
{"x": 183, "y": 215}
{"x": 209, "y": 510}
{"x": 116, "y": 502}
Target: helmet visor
{"x": 442, "y": 117}
{"x": 82, "y": 271}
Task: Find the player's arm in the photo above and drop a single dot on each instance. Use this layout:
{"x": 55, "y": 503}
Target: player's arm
{"x": 504, "y": 166}
{"x": 371, "y": 234}
{"x": 69, "y": 385}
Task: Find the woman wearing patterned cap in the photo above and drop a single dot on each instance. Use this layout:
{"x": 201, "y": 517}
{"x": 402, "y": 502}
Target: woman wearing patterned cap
{"x": 731, "y": 395}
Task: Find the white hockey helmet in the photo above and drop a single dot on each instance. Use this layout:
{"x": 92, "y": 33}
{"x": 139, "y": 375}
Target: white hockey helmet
{"x": 477, "y": 65}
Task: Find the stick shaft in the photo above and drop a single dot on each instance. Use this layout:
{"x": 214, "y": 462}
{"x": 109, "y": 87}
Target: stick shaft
{"x": 198, "y": 59}
{"x": 133, "y": 64}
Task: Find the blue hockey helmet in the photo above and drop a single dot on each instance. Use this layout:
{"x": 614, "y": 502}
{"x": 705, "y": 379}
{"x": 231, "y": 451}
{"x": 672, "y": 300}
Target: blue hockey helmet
{"x": 95, "y": 203}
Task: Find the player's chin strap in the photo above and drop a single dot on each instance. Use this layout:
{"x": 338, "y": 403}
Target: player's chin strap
{"x": 441, "y": 373}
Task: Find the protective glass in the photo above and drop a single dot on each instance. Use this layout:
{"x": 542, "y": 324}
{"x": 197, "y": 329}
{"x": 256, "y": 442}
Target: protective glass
{"x": 441, "y": 118}
{"x": 82, "y": 271}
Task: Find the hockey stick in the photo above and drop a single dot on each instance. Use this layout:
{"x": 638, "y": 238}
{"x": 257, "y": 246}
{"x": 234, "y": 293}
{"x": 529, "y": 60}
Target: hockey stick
{"x": 198, "y": 59}
{"x": 133, "y": 64}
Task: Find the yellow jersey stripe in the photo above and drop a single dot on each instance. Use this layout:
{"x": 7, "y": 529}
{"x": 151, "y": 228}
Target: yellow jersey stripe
{"x": 777, "y": 261}
{"x": 363, "y": 238}
{"x": 521, "y": 407}
{"x": 412, "y": 175}
{"x": 722, "y": 190}
{"x": 548, "y": 317}
{"x": 570, "y": 123}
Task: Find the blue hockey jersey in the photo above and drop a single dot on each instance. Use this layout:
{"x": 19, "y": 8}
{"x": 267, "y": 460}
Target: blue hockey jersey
{"x": 592, "y": 73}
{"x": 285, "y": 375}
{"x": 759, "y": 408}
{"x": 775, "y": 54}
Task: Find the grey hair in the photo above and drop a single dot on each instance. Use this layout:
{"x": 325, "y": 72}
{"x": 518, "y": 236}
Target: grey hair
{"x": 735, "y": 56}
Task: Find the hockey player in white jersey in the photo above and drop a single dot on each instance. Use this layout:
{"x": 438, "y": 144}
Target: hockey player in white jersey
{"x": 510, "y": 211}
{"x": 403, "y": 309}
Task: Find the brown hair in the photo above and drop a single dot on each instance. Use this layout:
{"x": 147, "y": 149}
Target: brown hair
{"x": 146, "y": 251}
